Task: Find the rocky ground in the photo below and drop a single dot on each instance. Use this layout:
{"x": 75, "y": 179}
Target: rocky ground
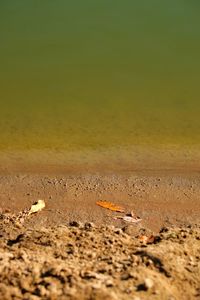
{"x": 47, "y": 255}
{"x": 83, "y": 261}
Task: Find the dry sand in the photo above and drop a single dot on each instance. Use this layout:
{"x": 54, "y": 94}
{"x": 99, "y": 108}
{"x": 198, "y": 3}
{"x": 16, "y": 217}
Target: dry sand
{"x": 160, "y": 199}
{"x": 88, "y": 262}
{"x": 45, "y": 258}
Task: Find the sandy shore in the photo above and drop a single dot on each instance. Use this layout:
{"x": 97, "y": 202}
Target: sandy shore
{"x": 46, "y": 258}
{"x": 159, "y": 198}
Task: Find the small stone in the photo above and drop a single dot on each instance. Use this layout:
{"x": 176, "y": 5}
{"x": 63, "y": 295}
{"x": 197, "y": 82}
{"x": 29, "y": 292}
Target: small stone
{"x": 126, "y": 262}
{"x": 125, "y": 276}
{"x": 164, "y": 229}
{"x": 88, "y": 226}
{"x": 74, "y": 224}
{"x": 88, "y": 275}
{"x": 118, "y": 231}
{"x": 148, "y": 283}
{"x": 109, "y": 283}
{"x": 173, "y": 235}
{"x": 18, "y": 225}
{"x": 128, "y": 290}
{"x": 96, "y": 286}
{"x": 133, "y": 275}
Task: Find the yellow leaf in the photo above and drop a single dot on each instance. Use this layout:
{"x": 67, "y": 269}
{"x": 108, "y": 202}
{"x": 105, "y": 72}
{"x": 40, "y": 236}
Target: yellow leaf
{"x": 37, "y": 206}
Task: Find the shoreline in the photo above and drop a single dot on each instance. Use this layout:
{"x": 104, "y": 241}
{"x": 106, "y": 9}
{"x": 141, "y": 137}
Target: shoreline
{"x": 143, "y": 158}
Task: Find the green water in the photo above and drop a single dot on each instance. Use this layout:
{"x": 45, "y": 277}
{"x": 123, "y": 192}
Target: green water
{"x": 99, "y": 74}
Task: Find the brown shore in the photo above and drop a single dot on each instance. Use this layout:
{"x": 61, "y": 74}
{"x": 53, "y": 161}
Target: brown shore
{"x": 160, "y": 198}
{"x": 45, "y": 258}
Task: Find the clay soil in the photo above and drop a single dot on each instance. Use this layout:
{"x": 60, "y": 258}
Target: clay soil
{"x": 74, "y": 249}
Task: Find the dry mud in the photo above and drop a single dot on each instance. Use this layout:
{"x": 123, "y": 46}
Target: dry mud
{"x": 84, "y": 261}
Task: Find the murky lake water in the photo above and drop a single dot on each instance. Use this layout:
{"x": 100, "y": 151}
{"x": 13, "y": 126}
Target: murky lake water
{"x": 78, "y": 75}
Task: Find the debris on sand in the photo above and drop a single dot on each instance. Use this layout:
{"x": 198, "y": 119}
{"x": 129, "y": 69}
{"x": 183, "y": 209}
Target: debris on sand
{"x": 37, "y": 206}
{"x": 129, "y": 219}
{"x": 110, "y": 206}
{"x": 19, "y": 218}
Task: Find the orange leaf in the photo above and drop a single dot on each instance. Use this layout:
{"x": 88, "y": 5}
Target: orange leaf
{"x": 110, "y": 205}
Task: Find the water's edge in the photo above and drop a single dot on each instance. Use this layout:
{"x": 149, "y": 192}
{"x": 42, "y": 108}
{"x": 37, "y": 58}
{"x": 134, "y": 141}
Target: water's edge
{"x": 133, "y": 159}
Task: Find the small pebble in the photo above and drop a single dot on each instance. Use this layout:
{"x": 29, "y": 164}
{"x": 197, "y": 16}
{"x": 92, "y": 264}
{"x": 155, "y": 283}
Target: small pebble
{"x": 148, "y": 283}
{"x": 74, "y": 224}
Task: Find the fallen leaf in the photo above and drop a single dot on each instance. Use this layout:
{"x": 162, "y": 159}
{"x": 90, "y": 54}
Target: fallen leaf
{"x": 110, "y": 205}
{"x": 147, "y": 239}
{"x": 129, "y": 219}
{"x": 37, "y": 206}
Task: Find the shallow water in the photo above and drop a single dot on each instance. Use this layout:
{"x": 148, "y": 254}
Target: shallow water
{"x": 89, "y": 75}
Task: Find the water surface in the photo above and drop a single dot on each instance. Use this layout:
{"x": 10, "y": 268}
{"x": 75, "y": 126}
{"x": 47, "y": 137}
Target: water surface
{"x": 90, "y": 75}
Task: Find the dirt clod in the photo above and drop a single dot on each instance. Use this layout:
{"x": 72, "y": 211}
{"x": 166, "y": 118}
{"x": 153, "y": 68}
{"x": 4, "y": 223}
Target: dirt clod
{"x": 97, "y": 262}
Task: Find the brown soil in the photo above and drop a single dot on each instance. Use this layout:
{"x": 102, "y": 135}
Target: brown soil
{"x": 88, "y": 262}
{"x": 44, "y": 258}
{"x": 160, "y": 199}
